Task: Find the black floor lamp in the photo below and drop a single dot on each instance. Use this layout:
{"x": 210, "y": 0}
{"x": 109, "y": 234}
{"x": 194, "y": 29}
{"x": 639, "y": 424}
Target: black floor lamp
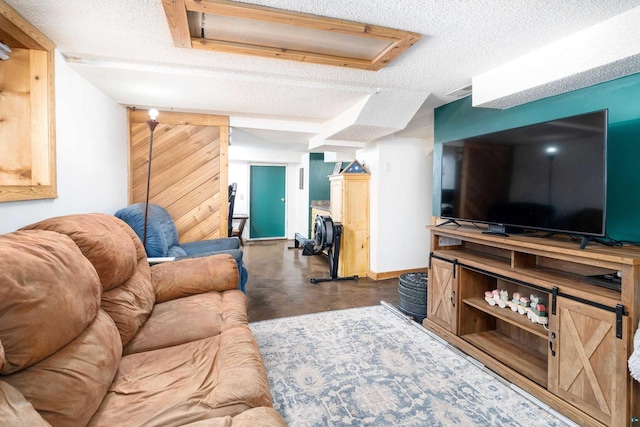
{"x": 153, "y": 114}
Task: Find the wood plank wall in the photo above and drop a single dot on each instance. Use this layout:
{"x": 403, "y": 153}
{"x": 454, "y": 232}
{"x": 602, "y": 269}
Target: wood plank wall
{"x": 189, "y": 170}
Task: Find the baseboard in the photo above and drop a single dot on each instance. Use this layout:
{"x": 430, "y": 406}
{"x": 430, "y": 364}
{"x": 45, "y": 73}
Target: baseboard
{"x": 393, "y": 274}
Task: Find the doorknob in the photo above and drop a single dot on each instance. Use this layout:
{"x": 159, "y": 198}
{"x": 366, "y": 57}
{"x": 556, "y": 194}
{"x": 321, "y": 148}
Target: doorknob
{"x": 282, "y": 199}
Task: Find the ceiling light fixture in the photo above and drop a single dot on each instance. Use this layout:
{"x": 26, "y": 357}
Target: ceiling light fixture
{"x": 242, "y": 28}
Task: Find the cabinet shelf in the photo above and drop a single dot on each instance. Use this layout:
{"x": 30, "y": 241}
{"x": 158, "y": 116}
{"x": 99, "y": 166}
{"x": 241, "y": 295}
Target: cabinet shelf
{"x": 531, "y": 364}
{"x": 509, "y": 316}
{"x": 545, "y": 277}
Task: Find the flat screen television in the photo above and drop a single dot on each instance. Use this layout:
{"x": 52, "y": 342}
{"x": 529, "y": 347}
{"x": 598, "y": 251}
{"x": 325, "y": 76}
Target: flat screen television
{"x": 547, "y": 176}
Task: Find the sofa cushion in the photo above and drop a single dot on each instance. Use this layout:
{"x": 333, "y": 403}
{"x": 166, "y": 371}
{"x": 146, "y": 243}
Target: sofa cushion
{"x": 67, "y": 387}
{"x": 120, "y": 260}
{"x": 130, "y": 304}
{"x": 102, "y": 240}
{"x": 176, "y": 251}
{"x": 49, "y": 293}
{"x": 190, "y": 319}
{"x": 214, "y": 377}
{"x": 161, "y": 230}
{"x": 15, "y": 410}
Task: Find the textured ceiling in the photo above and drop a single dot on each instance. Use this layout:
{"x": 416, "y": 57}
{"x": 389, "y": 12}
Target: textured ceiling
{"x": 125, "y": 49}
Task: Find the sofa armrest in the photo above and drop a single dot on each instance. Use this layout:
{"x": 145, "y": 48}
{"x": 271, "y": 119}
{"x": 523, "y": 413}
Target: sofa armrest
{"x": 235, "y": 253}
{"x": 192, "y": 276}
{"x": 213, "y": 245}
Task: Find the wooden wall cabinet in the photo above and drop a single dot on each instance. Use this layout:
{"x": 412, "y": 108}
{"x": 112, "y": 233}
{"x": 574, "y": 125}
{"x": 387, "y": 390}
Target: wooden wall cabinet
{"x": 349, "y": 193}
{"x": 27, "y": 113}
{"x": 577, "y": 363}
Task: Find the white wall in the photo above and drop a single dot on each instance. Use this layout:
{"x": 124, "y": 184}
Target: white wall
{"x": 400, "y": 202}
{"x": 91, "y": 152}
{"x": 239, "y": 173}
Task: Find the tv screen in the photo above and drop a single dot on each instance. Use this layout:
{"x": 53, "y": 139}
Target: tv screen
{"x": 546, "y": 176}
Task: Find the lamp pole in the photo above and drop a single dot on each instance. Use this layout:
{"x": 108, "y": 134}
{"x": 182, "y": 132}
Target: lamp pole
{"x": 153, "y": 114}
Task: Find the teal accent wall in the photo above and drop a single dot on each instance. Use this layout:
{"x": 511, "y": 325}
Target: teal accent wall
{"x": 319, "y": 184}
{"x": 621, "y": 97}
{"x": 319, "y": 188}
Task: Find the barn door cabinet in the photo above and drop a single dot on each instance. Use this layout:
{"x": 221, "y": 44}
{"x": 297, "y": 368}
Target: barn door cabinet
{"x": 575, "y": 357}
{"x": 442, "y": 293}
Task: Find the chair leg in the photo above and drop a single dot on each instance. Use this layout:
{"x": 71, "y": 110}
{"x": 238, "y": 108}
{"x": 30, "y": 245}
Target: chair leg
{"x": 238, "y": 233}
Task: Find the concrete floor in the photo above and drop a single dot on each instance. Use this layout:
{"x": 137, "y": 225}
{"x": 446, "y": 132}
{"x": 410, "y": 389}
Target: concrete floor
{"x": 279, "y": 285}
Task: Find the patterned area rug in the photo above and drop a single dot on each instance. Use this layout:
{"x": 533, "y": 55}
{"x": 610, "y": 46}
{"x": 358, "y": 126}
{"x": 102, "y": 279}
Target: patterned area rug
{"x": 368, "y": 367}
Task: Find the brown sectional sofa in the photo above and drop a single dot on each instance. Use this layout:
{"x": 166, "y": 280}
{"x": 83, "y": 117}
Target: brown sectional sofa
{"x": 90, "y": 334}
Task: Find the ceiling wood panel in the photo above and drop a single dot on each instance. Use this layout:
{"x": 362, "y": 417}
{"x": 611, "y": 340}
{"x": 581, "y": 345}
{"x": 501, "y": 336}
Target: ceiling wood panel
{"x": 287, "y": 25}
{"x": 176, "y": 18}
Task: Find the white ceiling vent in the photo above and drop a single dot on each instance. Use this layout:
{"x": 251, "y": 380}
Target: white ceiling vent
{"x": 461, "y": 93}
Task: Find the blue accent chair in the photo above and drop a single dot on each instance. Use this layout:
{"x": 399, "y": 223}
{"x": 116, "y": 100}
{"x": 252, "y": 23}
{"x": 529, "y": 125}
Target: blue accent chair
{"x": 162, "y": 238}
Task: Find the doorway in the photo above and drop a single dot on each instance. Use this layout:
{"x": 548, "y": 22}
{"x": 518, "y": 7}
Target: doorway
{"x": 267, "y": 189}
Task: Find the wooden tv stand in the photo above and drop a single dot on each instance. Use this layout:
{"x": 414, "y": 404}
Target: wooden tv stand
{"x": 577, "y": 363}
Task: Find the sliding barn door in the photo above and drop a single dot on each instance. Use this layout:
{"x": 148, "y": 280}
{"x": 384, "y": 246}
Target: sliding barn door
{"x": 188, "y": 170}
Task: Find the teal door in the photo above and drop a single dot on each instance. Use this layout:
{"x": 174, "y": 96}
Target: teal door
{"x": 267, "y": 201}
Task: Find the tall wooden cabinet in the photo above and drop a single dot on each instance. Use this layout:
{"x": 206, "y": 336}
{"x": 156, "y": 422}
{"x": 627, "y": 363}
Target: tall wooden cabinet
{"x": 349, "y": 194}
{"x": 576, "y": 359}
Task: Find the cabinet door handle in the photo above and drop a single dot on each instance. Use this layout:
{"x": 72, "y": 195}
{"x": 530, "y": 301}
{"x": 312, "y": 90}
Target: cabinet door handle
{"x": 553, "y": 337}
{"x": 453, "y": 298}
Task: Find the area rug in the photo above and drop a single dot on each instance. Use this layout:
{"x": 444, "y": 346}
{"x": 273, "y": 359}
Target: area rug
{"x": 369, "y": 367}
